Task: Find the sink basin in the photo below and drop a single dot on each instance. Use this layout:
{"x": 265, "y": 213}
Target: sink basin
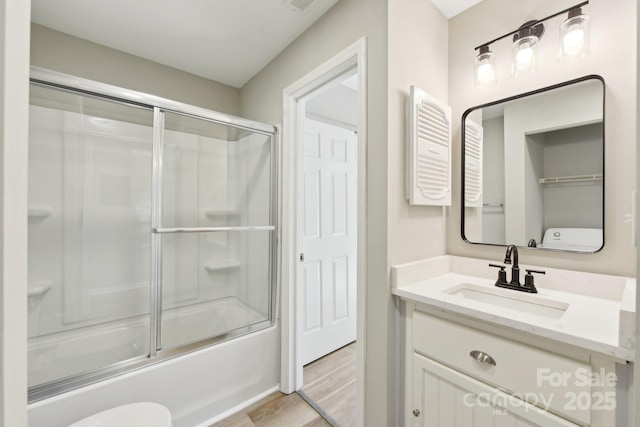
{"x": 513, "y": 300}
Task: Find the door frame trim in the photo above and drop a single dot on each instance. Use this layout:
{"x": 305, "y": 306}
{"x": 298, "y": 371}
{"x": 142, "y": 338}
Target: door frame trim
{"x": 293, "y": 115}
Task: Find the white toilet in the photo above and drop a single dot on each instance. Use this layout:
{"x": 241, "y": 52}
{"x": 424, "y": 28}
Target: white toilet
{"x": 141, "y": 414}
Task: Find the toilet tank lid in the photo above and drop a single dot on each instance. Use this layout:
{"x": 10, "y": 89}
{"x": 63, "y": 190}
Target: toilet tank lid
{"x": 586, "y": 238}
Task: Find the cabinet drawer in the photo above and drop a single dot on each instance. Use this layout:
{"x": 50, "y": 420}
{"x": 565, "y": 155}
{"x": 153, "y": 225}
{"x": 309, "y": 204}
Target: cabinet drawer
{"x": 549, "y": 381}
{"x": 444, "y": 397}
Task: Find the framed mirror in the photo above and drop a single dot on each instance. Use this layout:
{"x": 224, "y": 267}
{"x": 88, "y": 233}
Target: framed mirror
{"x": 533, "y": 169}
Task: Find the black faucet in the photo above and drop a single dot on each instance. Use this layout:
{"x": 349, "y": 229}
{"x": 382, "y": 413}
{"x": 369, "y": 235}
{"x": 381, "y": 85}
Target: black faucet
{"x": 512, "y": 254}
{"x": 515, "y": 269}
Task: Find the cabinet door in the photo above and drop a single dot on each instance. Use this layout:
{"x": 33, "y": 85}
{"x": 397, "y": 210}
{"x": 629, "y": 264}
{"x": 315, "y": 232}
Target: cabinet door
{"x": 443, "y": 397}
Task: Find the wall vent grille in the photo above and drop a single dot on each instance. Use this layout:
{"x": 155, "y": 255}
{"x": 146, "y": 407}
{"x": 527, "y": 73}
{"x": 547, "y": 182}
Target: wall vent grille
{"x": 473, "y": 139}
{"x": 428, "y": 149}
{"x": 298, "y": 5}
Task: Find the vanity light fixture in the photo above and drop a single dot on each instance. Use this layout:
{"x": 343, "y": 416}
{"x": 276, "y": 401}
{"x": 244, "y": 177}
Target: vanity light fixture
{"x": 524, "y": 53}
{"x": 485, "y": 68}
{"x": 574, "y": 39}
{"x": 574, "y": 36}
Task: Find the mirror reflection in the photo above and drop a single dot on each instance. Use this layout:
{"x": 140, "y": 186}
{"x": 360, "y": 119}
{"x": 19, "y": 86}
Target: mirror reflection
{"x": 533, "y": 169}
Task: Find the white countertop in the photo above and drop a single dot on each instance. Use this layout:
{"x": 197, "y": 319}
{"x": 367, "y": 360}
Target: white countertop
{"x": 591, "y": 322}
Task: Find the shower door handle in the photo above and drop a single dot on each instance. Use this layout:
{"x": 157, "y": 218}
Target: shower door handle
{"x": 168, "y": 230}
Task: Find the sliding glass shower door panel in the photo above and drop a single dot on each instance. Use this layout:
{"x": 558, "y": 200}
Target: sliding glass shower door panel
{"x": 227, "y": 296}
{"x": 90, "y": 169}
{"x": 214, "y": 174}
{"x": 216, "y": 228}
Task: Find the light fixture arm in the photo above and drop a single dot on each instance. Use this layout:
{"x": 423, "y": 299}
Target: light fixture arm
{"x": 532, "y": 24}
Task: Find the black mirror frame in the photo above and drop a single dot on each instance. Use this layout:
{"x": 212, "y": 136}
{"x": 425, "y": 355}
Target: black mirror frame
{"x": 523, "y": 95}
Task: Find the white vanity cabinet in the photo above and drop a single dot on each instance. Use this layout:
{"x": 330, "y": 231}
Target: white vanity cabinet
{"x": 445, "y": 397}
{"x": 463, "y": 373}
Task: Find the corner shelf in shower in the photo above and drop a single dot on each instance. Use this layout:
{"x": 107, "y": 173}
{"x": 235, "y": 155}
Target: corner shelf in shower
{"x": 39, "y": 287}
{"x": 38, "y": 213}
{"x": 37, "y": 290}
{"x": 222, "y": 267}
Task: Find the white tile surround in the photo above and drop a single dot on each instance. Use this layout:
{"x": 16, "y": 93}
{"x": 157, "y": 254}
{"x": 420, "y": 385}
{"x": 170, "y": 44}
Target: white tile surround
{"x": 600, "y": 317}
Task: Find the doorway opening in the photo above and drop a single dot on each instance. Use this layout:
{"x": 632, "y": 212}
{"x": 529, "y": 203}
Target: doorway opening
{"x": 326, "y": 217}
{"x": 324, "y": 230}
{"x": 327, "y": 232}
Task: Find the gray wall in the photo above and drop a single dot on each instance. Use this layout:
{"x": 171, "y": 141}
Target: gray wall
{"x": 261, "y": 99}
{"x": 62, "y": 52}
{"x": 612, "y": 21}
{"x": 493, "y": 181}
{"x": 569, "y": 152}
{"x": 399, "y": 34}
{"x": 14, "y": 120}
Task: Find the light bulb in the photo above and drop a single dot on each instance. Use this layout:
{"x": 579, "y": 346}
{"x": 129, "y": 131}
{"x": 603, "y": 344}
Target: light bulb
{"x": 485, "y": 72}
{"x": 523, "y": 59}
{"x": 524, "y": 55}
{"x": 574, "y": 36}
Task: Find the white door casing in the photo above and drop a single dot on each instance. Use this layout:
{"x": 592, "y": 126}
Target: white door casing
{"x": 327, "y": 212}
{"x": 294, "y": 97}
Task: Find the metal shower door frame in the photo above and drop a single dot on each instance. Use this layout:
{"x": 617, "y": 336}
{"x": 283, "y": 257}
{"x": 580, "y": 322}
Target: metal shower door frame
{"x": 159, "y": 106}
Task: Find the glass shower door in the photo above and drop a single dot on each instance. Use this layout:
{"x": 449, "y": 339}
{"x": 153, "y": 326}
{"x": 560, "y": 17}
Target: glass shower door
{"x": 215, "y": 229}
{"x": 90, "y": 170}
{"x": 151, "y": 230}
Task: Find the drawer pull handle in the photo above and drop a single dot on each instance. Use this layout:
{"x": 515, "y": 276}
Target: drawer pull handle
{"x": 416, "y": 413}
{"x": 482, "y": 357}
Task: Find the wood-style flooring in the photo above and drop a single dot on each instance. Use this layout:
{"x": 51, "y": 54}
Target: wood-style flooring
{"x": 277, "y": 410}
{"x": 330, "y": 382}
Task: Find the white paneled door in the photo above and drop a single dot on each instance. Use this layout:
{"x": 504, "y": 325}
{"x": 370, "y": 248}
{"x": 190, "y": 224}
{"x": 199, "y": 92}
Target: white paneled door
{"x": 328, "y": 225}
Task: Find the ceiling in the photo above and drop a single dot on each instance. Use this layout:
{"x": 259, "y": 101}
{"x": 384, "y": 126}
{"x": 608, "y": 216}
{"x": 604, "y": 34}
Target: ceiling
{"x": 228, "y": 41}
{"x": 451, "y": 8}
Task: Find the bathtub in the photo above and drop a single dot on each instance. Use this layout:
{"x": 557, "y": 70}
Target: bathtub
{"x": 197, "y": 387}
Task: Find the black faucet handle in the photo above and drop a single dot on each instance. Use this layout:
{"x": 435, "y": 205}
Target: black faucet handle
{"x": 529, "y": 279}
{"x": 502, "y": 274}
